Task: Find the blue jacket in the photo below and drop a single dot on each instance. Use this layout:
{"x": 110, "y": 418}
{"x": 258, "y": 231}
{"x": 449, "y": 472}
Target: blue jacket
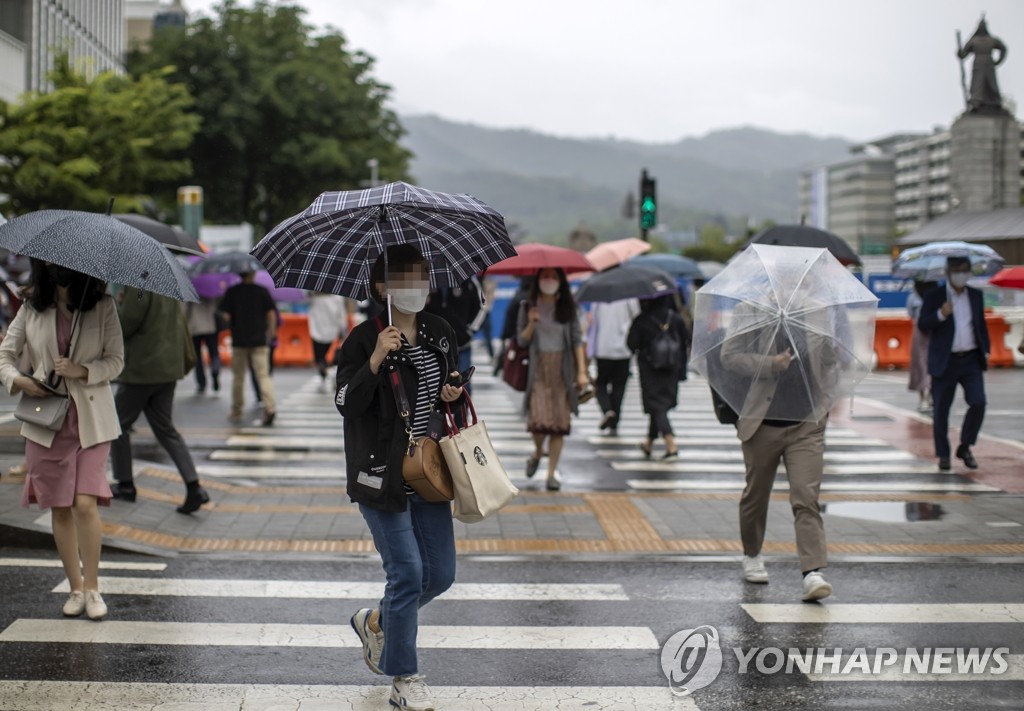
{"x": 940, "y": 347}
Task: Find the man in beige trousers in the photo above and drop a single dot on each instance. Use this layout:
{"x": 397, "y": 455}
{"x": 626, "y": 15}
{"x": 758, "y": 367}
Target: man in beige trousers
{"x": 791, "y": 371}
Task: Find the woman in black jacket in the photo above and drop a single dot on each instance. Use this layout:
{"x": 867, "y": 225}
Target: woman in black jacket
{"x": 659, "y": 382}
{"x": 415, "y": 538}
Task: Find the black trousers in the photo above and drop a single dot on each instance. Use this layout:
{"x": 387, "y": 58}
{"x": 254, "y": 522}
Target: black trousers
{"x": 320, "y": 356}
{"x": 660, "y": 425}
{"x": 210, "y": 339}
{"x": 156, "y": 402}
{"x": 965, "y": 371}
{"x": 612, "y": 375}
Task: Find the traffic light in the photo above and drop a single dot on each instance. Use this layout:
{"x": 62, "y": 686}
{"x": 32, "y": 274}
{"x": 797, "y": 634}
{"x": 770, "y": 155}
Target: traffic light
{"x": 648, "y": 203}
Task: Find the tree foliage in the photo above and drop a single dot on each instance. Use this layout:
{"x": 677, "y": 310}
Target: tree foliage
{"x": 712, "y": 245}
{"x": 286, "y": 114}
{"x": 86, "y": 141}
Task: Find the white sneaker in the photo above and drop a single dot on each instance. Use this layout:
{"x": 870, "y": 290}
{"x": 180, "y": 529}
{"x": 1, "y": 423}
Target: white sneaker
{"x": 815, "y": 587}
{"x": 95, "y": 608}
{"x": 411, "y": 693}
{"x": 373, "y": 642}
{"x": 753, "y": 570}
{"x": 75, "y": 605}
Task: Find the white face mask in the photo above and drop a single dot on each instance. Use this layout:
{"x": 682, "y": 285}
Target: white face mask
{"x": 959, "y": 279}
{"x": 549, "y": 286}
{"x": 409, "y": 300}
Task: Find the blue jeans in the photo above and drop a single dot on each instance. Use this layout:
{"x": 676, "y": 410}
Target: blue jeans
{"x": 417, "y": 547}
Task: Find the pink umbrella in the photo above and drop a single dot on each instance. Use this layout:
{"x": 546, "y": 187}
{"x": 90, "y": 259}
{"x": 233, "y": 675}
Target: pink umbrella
{"x": 531, "y": 258}
{"x": 610, "y": 254}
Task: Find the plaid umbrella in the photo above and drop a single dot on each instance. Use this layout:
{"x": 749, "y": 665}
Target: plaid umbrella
{"x": 100, "y": 246}
{"x": 332, "y": 245}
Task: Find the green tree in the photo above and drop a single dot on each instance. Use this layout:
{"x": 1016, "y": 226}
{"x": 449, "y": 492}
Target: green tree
{"x": 87, "y": 141}
{"x": 286, "y": 114}
{"x": 712, "y": 245}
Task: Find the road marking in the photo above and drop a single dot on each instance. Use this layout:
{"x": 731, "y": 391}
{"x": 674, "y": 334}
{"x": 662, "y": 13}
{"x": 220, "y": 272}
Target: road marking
{"x": 310, "y": 589}
{"x": 735, "y": 455}
{"x": 685, "y": 467}
{"x": 249, "y": 455}
{"x": 283, "y": 442}
{"x": 138, "y": 696}
{"x": 1002, "y": 524}
{"x": 333, "y": 636}
{"x": 275, "y": 472}
{"x": 886, "y": 486}
{"x": 104, "y": 565}
{"x": 941, "y": 613}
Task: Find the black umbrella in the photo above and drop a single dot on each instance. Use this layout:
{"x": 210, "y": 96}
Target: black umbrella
{"x": 174, "y": 238}
{"x": 100, "y": 246}
{"x": 626, "y": 282}
{"x": 804, "y": 236}
{"x": 332, "y": 245}
{"x": 233, "y": 262}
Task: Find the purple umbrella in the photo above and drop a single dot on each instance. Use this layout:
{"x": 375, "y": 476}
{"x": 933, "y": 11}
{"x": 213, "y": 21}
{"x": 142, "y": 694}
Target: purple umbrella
{"x": 213, "y": 286}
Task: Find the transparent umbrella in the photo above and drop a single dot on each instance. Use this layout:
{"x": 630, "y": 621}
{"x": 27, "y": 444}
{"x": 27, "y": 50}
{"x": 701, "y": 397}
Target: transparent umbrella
{"x": 783, "y": 332}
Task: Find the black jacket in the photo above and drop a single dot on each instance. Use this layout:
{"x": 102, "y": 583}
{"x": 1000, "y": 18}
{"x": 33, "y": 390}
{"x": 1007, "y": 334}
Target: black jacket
{"x": 658, "y": 388}
{"x": 462, "y": 307}
{"x": 375, "y": 436}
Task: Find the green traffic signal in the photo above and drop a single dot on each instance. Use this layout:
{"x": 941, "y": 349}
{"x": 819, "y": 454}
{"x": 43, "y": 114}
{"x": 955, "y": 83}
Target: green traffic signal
{"x": 648, "y": 213}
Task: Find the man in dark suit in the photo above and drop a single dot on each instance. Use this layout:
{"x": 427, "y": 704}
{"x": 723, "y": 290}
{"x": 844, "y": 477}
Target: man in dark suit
{"x": 957, "y": 355}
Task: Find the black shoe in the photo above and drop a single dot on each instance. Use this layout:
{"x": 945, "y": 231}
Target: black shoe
{"x": 216, "y": 382}
{"x": 268, "y": 418}
{"x": 645, "y": 450}
{"x": 124, "y": 492}
{"x": 944, "y": 465}
{"x": 964, "y": 452}
{"x": 193, "y": 500}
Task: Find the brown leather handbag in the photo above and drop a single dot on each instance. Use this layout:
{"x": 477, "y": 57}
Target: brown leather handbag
{"x": 424, "y": 469}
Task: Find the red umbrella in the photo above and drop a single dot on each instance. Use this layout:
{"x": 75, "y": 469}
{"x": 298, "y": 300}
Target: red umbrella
{"x": 1009, "y": 278}
{"x": 531, "y": 258}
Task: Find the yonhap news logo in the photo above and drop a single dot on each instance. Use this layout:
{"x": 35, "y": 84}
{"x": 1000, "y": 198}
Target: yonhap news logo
{"x": 692, "y": 659}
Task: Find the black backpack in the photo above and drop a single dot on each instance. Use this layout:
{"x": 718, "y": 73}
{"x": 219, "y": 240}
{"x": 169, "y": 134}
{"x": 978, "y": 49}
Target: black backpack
{"x": 665, "y": 351}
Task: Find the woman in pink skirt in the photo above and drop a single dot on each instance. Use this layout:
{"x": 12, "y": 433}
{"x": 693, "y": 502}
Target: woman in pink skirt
{"x": 69, "y": 332}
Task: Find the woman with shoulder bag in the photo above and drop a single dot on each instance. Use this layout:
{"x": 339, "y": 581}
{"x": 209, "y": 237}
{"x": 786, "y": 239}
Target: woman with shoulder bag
{"x": 71, "y": 335}
{"x": 549, "y": 325}
{"x": 415, "y": 537}
{"x": 659, "y": 381}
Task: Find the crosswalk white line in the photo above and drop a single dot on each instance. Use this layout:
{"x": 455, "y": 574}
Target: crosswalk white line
{"x": 138, "y": 696}
{"x": 272, "y": 472}
{"x": 684, "y": 467}
{"x": 335, "y": 636}
{"x": 284, "y": 442}
{"x": 886, "y": 614}
{"x": 104, "y": 564}
{"x": 265, "y": 455}
{"x": 332, "y": 590}
{"x": 884, "y": 486}
{"x": 736, "y": 455}
{"x": 955, "y": 665}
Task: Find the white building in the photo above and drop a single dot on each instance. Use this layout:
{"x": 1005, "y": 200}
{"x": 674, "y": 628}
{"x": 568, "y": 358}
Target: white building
{"x": 92, "y": 32}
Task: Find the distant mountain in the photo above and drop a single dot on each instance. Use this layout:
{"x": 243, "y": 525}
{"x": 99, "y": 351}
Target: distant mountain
{"x": 548, "y": 184}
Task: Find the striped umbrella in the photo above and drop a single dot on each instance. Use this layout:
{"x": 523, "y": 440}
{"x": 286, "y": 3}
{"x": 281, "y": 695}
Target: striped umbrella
{"x": 100, "y": 246}
{"x": 331, "y": 246}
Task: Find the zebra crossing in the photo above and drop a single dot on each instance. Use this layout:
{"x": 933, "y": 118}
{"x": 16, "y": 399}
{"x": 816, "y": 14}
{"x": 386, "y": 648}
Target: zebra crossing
{"x": 280, "y": 640}
{"x": 307, "y": 443}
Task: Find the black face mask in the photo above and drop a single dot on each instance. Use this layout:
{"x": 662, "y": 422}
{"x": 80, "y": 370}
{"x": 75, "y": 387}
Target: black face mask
{"x": 62, "y": 276}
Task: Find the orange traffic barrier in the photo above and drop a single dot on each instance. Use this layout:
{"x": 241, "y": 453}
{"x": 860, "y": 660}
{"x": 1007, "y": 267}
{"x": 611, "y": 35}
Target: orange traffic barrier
{"x": 1001, "y": 356}
{"x": 294, "y": 346}
{"x": 224, "y": 346}
{"x": 892, "y": 341}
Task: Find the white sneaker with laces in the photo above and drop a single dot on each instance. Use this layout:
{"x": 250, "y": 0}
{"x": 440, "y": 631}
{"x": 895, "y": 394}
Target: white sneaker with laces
{"x": 75, "y": 605}
{"x": 411, "y": 693}
{"x": 95, "y": 608}
{"x": 753, "y": 570}
{"x": 815, "y": 587}
{"x": 373, "y": 642}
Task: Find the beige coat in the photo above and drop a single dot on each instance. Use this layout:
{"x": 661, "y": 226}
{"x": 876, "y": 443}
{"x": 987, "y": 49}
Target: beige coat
{"x": 96, "y": 345}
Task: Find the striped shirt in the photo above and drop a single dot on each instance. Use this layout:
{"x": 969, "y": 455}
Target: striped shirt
{"x": 428, "y": 368}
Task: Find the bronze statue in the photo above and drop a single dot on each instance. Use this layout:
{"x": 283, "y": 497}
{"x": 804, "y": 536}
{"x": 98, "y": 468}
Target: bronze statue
{"x": 984, "y": 96}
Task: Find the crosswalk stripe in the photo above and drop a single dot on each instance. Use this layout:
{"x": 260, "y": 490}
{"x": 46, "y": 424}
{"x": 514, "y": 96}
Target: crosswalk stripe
{"x": 884, "y": 486}
{"x": 104, "y": 564}
{"x": 956, "y": 613}
{"x": 334, "y": 636}
{"x": 735, "y": 455}
{"x": 250, "y": 455}
{"x": 272, "y": 472}
{"x": 281, "y": 442}
{"x": 684, "y": 467}
{"x": 306, "y": 589}
{"x": 139, "y": 696}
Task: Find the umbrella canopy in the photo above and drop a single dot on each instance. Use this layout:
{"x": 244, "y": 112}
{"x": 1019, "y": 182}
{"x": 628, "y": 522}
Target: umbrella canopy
{"x": 531, "y": 258}
{"x": 615, "y": 252}
{"x": 332, "y": 246}
{"x": 100, "y": 246}
{"x": 174, "y": 238}
{"x": 928, "y": 262}
{"x": 772, "y": 304}
{"x": 212, "y": 285}
{"x": 234, "y": 261}
{"x": 626, "y": 282}
{"x": 679, "y": 267}
{"x": 1012, "y": 278}
{"x": 804, "y": 236}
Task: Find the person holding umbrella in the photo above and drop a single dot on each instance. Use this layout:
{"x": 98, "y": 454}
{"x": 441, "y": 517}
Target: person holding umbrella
{"x": 415, "y": 537}
{"x": 70, "y": 332}
{"x": 549, "y": 325}
{"x": 954, "y": 315}
{"x": 252, "y": 316}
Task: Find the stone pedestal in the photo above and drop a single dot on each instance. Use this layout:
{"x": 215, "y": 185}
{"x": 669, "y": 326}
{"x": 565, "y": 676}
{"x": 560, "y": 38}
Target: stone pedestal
{"x": 985, "y": 162}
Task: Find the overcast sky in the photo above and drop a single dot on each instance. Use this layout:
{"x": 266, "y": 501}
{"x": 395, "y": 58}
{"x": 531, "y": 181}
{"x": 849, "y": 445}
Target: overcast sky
{"x": 661, "y": 70}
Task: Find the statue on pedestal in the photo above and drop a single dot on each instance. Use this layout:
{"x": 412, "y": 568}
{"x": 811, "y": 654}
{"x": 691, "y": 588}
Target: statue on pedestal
{"x": 984, "y": 96}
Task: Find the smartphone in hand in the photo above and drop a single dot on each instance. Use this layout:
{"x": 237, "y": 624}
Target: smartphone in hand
{"x": 457, "y": 381}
